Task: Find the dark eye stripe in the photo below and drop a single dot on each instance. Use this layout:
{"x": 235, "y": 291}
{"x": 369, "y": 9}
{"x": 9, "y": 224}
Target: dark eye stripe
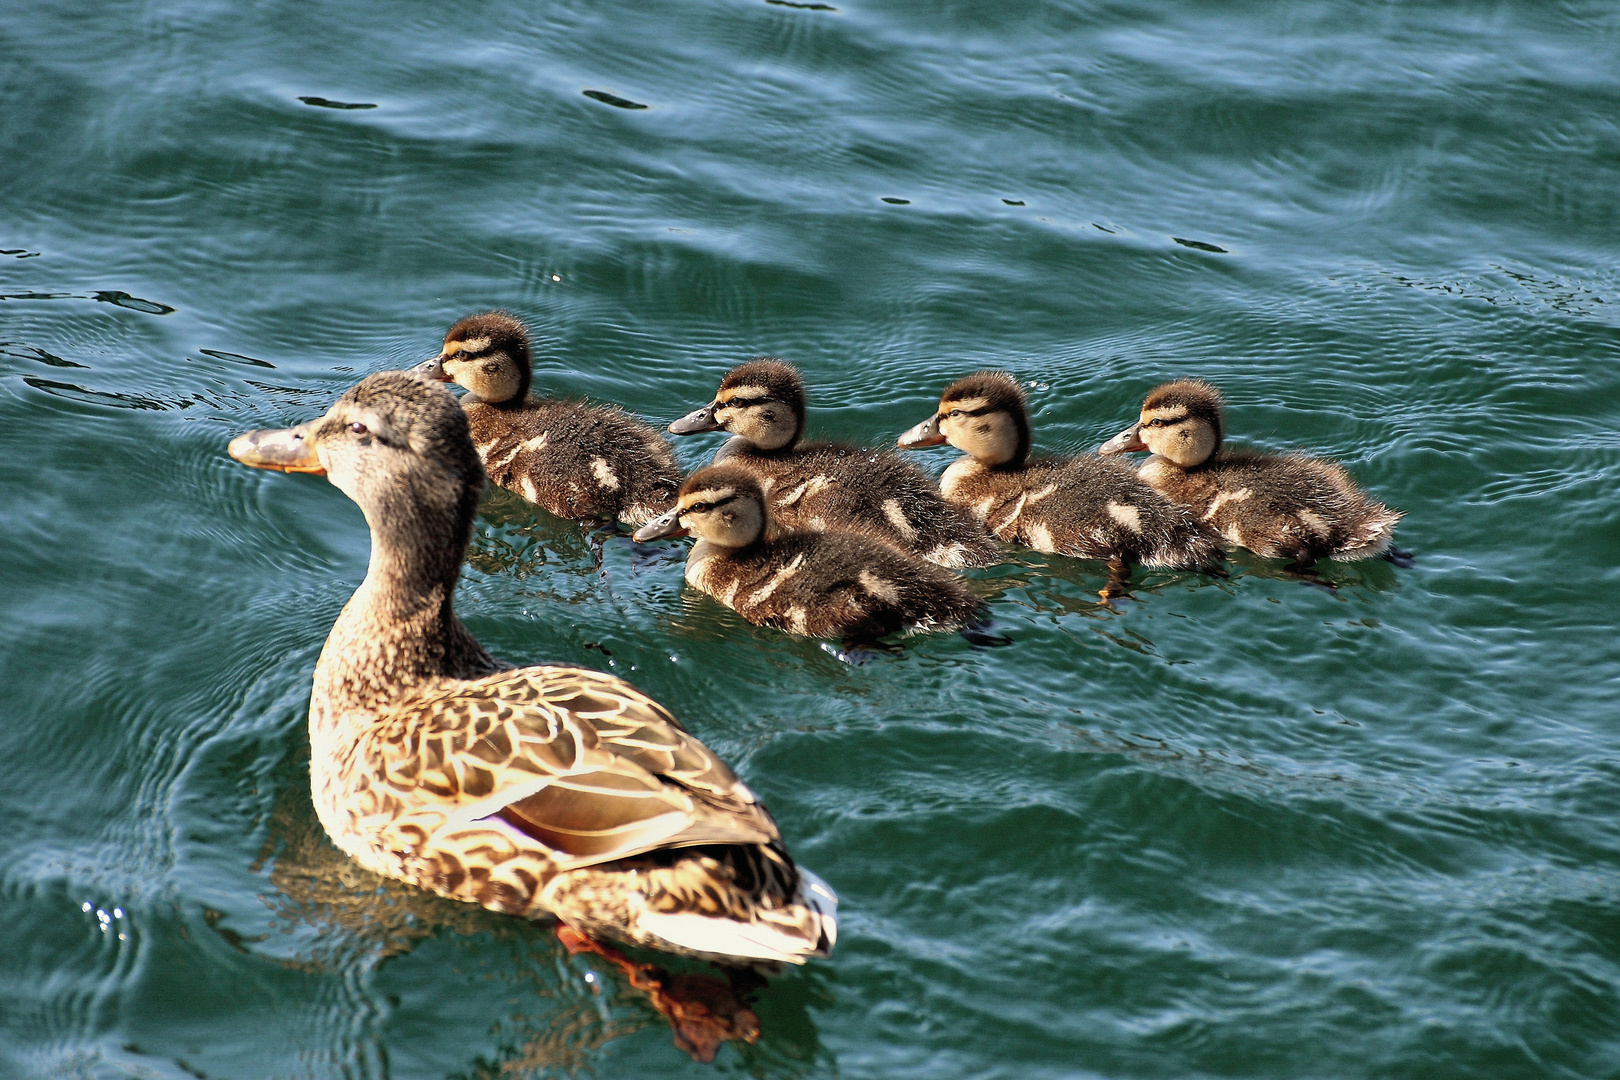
{"x": 699, "y": 508}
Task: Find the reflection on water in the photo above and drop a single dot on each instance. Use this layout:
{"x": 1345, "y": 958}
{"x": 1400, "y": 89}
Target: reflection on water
{"x": 515, "y": 537}
{"x": 317, "y": 885}
{"x": 332, "y": 916}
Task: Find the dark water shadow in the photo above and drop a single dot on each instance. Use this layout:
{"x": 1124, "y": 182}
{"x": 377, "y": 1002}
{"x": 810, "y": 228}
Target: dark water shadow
{"x": 116, "y": 297}
{"x": 613, "y": 99}
{"x": 119, "y": 298}
{"x": 23, "y": 351}
{"x": 328, "y": 103}
{"x": 235, "y": 358}
{"x": 84, "y": 396}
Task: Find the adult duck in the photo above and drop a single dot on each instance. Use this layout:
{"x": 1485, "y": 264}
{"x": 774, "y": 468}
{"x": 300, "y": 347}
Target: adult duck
{"x": 534, "y": 791}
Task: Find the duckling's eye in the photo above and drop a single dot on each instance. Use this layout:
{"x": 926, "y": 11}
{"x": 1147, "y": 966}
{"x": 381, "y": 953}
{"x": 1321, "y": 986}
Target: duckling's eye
{"x": 953, "y": 413}
{"x": 699, "y": 508}
{"x": 358, "y": 428}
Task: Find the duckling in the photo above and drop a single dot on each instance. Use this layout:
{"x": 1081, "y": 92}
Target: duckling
{"x": 818, "y": 486}
{"x": 1282, "y": 506}
{"x": 575, "y": 460}
{"x": 820, "y": 584}
{"x": 534, "y": 791}
{"x": 1083, "y": 507}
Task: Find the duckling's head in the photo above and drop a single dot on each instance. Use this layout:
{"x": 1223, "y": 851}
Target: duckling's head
{"x": 984, "y": 416}
{"x": 489, "y": 355}
{"x": 395, "y": 444}
{"x": 723, "y": 504}
{"x": 1181, "y": 422}
{"x": 762, "y": 401}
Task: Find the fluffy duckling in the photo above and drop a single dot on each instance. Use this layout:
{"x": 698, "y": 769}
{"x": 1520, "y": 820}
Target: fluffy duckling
{"x": 819, "y": 486}
{"x": 1083, "y": 506}
{"x": 536, "y": 791}
{"x": 821, "y": 584}
{"x": 575, "y": 460}
{"x": 1282, "y": 506}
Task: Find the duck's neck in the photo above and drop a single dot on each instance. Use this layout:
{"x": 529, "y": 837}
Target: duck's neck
{"x": 399, "y": 630}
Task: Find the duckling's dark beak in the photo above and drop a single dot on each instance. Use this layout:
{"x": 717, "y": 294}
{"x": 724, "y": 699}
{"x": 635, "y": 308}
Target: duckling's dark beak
{"x": 1126, "y": 442}
{"x": 926, "y": 433}
{"x": 432, "y": 369}
{"x": 283, "y": 449}
{"x": 663, "y": 525}
{"x": 697, "y": 420}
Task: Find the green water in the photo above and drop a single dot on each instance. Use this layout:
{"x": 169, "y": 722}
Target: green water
{"x": 1237, "y": 829}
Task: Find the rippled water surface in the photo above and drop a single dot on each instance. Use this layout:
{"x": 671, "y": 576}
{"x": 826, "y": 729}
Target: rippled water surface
{"x": 1236, "y": 828}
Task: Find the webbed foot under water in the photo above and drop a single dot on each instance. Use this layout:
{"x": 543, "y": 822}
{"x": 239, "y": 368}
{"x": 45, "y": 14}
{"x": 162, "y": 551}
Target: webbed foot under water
{"x": 983, "y": 636}
{"x": 1305, "y": 573}
{"x": 703, "y": 1010}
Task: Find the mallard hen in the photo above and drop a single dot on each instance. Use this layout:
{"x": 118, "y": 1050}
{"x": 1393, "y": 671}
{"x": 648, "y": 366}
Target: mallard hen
{"x": 817, "y": 486}
{"x": 575, "y": 460}
{"x": 533, "y": 791}
{"x": 1082, "y": 506}
{"x": 1282, "y": 506}
{"x": 820, "y": 584}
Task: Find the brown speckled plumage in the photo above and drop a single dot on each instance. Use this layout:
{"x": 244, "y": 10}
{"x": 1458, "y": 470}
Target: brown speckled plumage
{"x": 1085, "y": 506}
{"x": 540, "y": 790}
{"x": 824, "y": 485}
{"x": 1285, "y": 506}
{"x": 576, "y": 460}
{"x": 821, "y": 584}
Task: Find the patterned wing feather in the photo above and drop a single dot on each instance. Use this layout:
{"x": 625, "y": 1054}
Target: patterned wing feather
{"x": 580, "y": 761}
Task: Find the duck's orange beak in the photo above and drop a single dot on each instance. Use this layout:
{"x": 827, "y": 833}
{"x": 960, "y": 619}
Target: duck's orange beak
{"x": 282, "y": 449}
{"x": 1126, "y": 442}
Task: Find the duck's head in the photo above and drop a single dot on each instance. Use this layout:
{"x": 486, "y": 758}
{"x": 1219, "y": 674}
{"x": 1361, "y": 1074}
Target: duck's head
{"x": 1181, "y": 422}
{"x": 489, "y": 355}
{"x": 983, "y": 415}
{"x": 762, "y": 401}
{"x": 722, "y": 504}
{"x": 395, "y": 444}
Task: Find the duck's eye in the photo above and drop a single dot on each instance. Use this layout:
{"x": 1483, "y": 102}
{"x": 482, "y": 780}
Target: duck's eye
{"x": 358, "y": 428}
{"x": 953, "y": 414}
{"x": 698, "y": 508}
